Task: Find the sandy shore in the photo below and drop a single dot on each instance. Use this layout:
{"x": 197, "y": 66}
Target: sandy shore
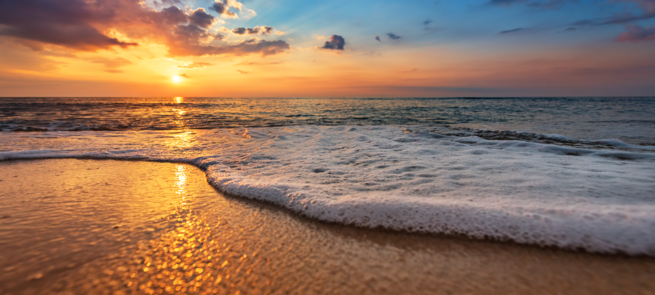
{"x": 112, "y": 227}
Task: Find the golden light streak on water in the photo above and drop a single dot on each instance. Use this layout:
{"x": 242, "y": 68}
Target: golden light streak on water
{"x": 157, "y": 228}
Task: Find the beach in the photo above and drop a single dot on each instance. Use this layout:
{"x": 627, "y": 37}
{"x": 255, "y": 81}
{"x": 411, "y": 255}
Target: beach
{"x": 279, "y": 196}
{"x": 126, "y": 227}
{"x": 405, "y": 178}
{"x": 327, "y": 147}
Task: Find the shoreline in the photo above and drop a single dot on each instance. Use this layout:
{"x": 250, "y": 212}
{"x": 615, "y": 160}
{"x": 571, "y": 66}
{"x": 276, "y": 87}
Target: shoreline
{"x": 221, "y": 178}
{"x": 284, "y": 252}
{"x": 304, "y": 218}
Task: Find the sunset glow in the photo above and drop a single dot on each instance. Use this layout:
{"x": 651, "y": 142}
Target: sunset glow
{"x": 327, "y": 147}
{"x": 339, "y": 48}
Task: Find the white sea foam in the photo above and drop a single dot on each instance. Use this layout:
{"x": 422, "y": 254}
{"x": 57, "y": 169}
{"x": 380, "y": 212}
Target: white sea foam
{"x": 598, "y": 200}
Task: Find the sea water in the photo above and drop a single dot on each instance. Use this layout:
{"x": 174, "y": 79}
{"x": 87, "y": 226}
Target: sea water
{"x": 566, "y": 172}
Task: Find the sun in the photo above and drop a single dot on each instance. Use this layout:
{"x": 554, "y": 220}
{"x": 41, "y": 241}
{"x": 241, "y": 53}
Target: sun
{"x": 177, "y": 79}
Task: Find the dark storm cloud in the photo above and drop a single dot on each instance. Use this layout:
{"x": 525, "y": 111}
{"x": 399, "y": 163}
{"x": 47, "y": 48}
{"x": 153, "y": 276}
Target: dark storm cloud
{"x": 336, "y": 42}
{"x": 393, "y": 36}
{"x": 511, "y": 31}
{"x": 265, "y": 30}
{"x": 83, "y": 25}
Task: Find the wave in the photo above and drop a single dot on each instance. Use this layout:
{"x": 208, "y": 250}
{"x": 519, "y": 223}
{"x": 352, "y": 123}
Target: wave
{"x": 383, "y": 176}
{"x": 554, "y": 139}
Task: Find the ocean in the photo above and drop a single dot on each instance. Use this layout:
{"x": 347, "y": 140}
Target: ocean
{"x": 573, "y": 173}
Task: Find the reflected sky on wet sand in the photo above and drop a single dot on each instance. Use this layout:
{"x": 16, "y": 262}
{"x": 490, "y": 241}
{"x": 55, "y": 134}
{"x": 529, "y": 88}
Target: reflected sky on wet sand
{"x": 111, "y": 227}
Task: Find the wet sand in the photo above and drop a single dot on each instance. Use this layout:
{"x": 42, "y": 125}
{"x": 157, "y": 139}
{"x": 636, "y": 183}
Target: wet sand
{"x": 116, "y": 227}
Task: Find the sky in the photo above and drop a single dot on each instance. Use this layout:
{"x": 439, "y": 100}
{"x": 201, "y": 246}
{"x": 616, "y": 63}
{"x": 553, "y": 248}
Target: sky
{"x": 331, "y": 48}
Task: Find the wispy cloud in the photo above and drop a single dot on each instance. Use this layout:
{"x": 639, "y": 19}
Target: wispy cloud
{"x": 636, "y": 34}
{"x": 536, "y": 4}
{"x": 511, "y": 31}
{"x": 195, "y": 65}
{"x": 393, "y": 36}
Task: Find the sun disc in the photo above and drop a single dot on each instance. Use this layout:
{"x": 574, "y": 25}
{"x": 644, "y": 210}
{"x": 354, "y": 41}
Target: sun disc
{"x": 177, "y": 79}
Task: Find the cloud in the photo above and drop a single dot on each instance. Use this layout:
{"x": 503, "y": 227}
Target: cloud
{"x": 166, "y": 2}
{"x": 569, "y": 29}
{"x": 263, "y": 30}
{"x": 636, "y": 34}
{"x": 173, "y": 15}
{"x": 547, "y": 4}
{"x": 222, "y": 8}
{"x": 92, "y": 25}
{"x": 259, "y": 63}
{"x": 243, "y": 72}
{"x": 550, "y": 4}
{"x": 201, "y": 18}
{"x": 114, "y": 71}
{"x": 393, "y": 36}
{"x": 372, "y": 53}
{"x": 50, "y": 21}
{"x": 185, "y": 76}
{"x": 511, "y": 31}
{"x": 111, "y": 63}
{"x": 505, "y": 2}
{"x": 336, "y": 42}
{"x": 263, "y": 47}
{"x": 427, "y": 22}
{"x": 646, "y": 7}
{"x": 378, "y": 38}
{"x": 195, "y": 65}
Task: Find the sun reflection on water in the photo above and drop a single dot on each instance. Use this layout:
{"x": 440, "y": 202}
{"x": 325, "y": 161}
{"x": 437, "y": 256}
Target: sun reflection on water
{"x": 179, "y": 99}
{"x": 181, "y": 140}
{"x": 181, "y": 175}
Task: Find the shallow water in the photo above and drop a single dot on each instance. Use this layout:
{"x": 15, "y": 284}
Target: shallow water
{"x": 600, "y": 200}
{"x": 628, "y": 119}
{"x": 117, "y": 227}
{"x": 579, "y": 188}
